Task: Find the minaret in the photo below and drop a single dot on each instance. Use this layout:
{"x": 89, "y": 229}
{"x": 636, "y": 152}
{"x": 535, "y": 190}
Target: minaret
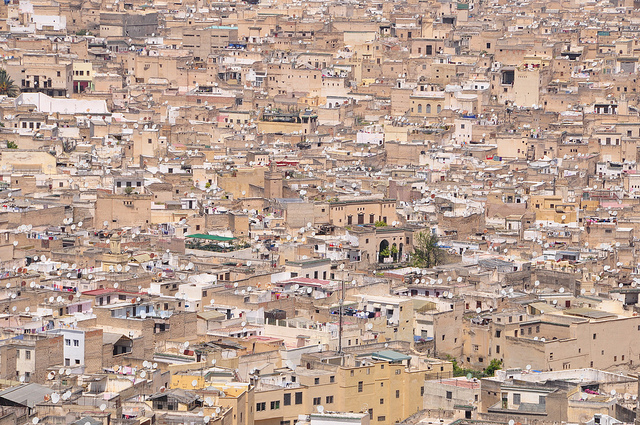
{"x": 272, "y": 182}
{"x": 114, "y": 245}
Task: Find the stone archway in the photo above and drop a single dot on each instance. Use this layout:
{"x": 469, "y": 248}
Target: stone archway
{"x": 384, "y": 246}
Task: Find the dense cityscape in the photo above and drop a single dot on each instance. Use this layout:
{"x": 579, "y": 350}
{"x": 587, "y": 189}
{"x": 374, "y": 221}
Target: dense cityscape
{"x": 274, "y": 212}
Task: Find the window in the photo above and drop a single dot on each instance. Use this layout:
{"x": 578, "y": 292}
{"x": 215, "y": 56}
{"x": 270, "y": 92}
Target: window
{"x": 594, "y": 336}
{"x": 316, "y": 381}
{"x": 275, "y": 404}
{"x": 317, "y": 401}
{"x": 397, "y": 393}
{"x": 67, "y": 342}
{"x": 27, "y": 354}
{"x": 382, "y": 418}
{"x": 67, "y": 362}
{"x": 398, "y": 371}
{"x": 329, "y": 399}
{"x": 421, "y": 391}
{"x": 449, "y": 395}
{"x": 287, "y": 399}
{"x": 498, "y": 333}
{"x": 260, "y": 407}
{"x": 298, "y": 398}
{"x": 76, "y": 343}
{"x": 332, "y": 379}
{"x": 516, "y": 398}
{"x": 360, "y": 386}
{"x": 18, "y": 353}
{"x": 77, "y": 361}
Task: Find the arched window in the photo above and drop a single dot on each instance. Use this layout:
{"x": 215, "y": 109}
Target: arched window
{"x": 438, "y": 109}
{"x": 419, "y": 108}
{"x": 428, "y": 108}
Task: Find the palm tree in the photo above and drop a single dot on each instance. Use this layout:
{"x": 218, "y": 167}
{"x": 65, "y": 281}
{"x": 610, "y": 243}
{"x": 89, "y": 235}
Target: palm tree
{"x": 426, "y": 252}
{"x": 7, "y": 87}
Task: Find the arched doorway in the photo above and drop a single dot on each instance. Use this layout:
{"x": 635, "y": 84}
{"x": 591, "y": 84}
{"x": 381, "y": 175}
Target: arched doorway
{"x": 383, "y": 251}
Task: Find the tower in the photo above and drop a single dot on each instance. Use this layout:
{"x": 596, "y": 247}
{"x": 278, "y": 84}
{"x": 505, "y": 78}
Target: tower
{"x": 272, "y": 183}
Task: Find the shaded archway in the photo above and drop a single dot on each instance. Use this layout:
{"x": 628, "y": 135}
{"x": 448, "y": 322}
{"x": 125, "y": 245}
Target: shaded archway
{"x": 383, "y": 251}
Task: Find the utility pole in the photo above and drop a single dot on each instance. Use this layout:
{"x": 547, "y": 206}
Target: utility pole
{"x": 341, "y": 302}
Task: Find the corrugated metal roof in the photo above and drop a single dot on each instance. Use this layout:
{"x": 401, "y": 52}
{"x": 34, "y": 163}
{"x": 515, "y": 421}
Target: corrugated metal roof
{"x": 26, "y": 395}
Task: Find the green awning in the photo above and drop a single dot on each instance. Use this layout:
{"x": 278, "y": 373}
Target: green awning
{"x": 390, "y": 355}
{"x": 210, "y": 237}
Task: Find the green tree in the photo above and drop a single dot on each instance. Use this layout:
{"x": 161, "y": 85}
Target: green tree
{"x": 12, "y": 145}
{"x": 380, "y": 223}
{"x": 385, "y": 253}
{"x": 394, "y": 252}
{"x": 128, "y": 190}
{"x": 7, "y": 87}
{"x": 426, "y": 252}
{"x": 494, "y": 364}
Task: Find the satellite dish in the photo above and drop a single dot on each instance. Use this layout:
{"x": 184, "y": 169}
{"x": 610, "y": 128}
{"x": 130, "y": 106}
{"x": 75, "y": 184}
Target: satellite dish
{"x": 194, "y": 383}
{"x": 320, "y": 409}
{"x": 213, "y": 361}
{"x": 103, "y": 407}
{"x": 528, "y": 367}
{"x": 143, "y": 374}
{"x": 155, "y": 365}
{"x": 35, "y": 420}
{"x": 55, "y": 397}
